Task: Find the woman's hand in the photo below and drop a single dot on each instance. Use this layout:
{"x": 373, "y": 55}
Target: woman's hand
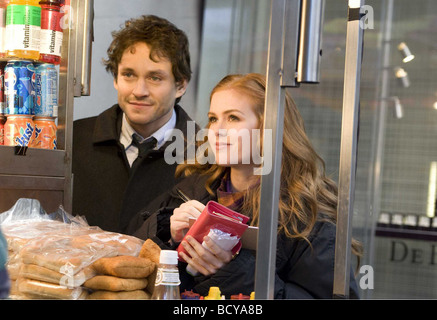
{"x": 179, "y": 221}
{"x": 206, "y": 259}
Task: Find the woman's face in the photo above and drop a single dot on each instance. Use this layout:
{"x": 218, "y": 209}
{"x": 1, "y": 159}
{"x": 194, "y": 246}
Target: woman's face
{"x": 232, "y": 124}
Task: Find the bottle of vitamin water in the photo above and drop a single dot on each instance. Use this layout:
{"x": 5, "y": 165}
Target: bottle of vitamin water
{"x": 3, "y": 5}
{"x": 51, "y": 31}
{"x": 23, "y": 27}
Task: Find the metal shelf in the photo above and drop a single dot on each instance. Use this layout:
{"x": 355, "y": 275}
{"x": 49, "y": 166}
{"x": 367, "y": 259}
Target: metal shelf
{"x": 415, "y": 234}
{"x": 46, "y": 175}
{"x": 36, "y": 162}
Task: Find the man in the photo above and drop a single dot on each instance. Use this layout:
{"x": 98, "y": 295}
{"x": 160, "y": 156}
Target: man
{"x": 150, "y": 61}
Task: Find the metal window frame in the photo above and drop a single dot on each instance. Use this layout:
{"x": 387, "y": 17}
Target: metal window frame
{"x": 282, "y": 72}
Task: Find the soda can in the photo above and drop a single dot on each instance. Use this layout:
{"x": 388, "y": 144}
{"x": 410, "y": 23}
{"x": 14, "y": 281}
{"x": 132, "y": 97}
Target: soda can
{"x": 45, "y": 133}
{"x": 19, "y": 87}
{"x": 2, "y": 130}
{"x": 2, "y": 89}
{"x": 46, "y": 90}
{"x": 19, "y": 131}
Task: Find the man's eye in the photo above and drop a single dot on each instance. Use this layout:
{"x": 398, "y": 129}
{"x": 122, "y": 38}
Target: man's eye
{"x": 127, "y": 74}
{"x": 155, "y": 78}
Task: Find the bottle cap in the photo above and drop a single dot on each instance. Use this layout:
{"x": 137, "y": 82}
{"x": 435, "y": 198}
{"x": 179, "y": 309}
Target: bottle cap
{"x": 168, "y": 257}
{"x": 55, "y": 2}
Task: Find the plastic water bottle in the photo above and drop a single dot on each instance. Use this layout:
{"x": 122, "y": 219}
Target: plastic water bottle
{"x": 167, "y": 278}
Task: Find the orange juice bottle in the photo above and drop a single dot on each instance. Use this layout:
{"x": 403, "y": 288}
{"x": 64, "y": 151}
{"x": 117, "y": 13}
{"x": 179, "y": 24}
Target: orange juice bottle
{"x": 23, "y": 27}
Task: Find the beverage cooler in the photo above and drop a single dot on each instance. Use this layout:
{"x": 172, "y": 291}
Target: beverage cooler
{"x": 45, "y": 58}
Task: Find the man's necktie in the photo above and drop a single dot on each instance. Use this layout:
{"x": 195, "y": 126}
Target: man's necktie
{"x": 143, "y": 148}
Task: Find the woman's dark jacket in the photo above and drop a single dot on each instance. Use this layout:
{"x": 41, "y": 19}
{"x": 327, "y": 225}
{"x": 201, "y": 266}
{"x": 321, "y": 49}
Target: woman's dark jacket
{"x": 302, "y": 271}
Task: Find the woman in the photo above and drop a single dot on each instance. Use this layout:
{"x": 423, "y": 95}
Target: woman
{"x": 307, "y": 206}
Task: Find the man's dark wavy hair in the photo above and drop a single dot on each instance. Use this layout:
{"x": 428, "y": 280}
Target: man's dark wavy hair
{"x": 164, "y": 39}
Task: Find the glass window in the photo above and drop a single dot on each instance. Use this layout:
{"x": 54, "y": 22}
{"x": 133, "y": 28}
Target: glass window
{"x": 395, "y": 188}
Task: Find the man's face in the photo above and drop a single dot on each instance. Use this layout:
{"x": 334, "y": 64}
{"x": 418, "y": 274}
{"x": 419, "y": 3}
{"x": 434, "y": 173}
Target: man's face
{"x": 146, "y": 89}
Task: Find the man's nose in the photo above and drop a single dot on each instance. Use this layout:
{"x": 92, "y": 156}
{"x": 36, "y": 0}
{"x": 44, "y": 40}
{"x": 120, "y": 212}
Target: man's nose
{"x": 141, "y": 89}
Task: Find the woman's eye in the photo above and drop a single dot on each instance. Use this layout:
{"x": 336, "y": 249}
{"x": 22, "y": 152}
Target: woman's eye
{"x": 233, "y": 118}
{"x": 212, "y": 119}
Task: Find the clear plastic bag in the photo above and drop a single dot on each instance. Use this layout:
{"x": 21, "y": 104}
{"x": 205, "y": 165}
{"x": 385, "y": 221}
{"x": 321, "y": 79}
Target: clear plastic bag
{"x": 34, "y": 289}
{"x": 224, "y": 240}
{"x": 31, "y": 209}
{"x": 50, "y": 254}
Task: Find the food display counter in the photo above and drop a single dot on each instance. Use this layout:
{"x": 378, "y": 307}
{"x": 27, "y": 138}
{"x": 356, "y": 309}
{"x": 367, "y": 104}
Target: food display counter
{"x": 58, "y": 256}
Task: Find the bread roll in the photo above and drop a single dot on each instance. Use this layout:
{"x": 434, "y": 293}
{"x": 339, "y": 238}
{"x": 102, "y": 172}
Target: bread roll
{"x": 55, "y": 262}
{"x": 125, "y": 267}
{"x": 110, "y": 283}
{"x": 122, "y": 295}
{"x": 150, "y": 250}
{"x": 47, "y": 290}
{"x": 123, "y": 244}
{"x": 35, "y": 272}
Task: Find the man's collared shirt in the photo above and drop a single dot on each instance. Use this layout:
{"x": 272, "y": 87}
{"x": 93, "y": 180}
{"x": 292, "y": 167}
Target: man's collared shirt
{"x": 160, "y": 135}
